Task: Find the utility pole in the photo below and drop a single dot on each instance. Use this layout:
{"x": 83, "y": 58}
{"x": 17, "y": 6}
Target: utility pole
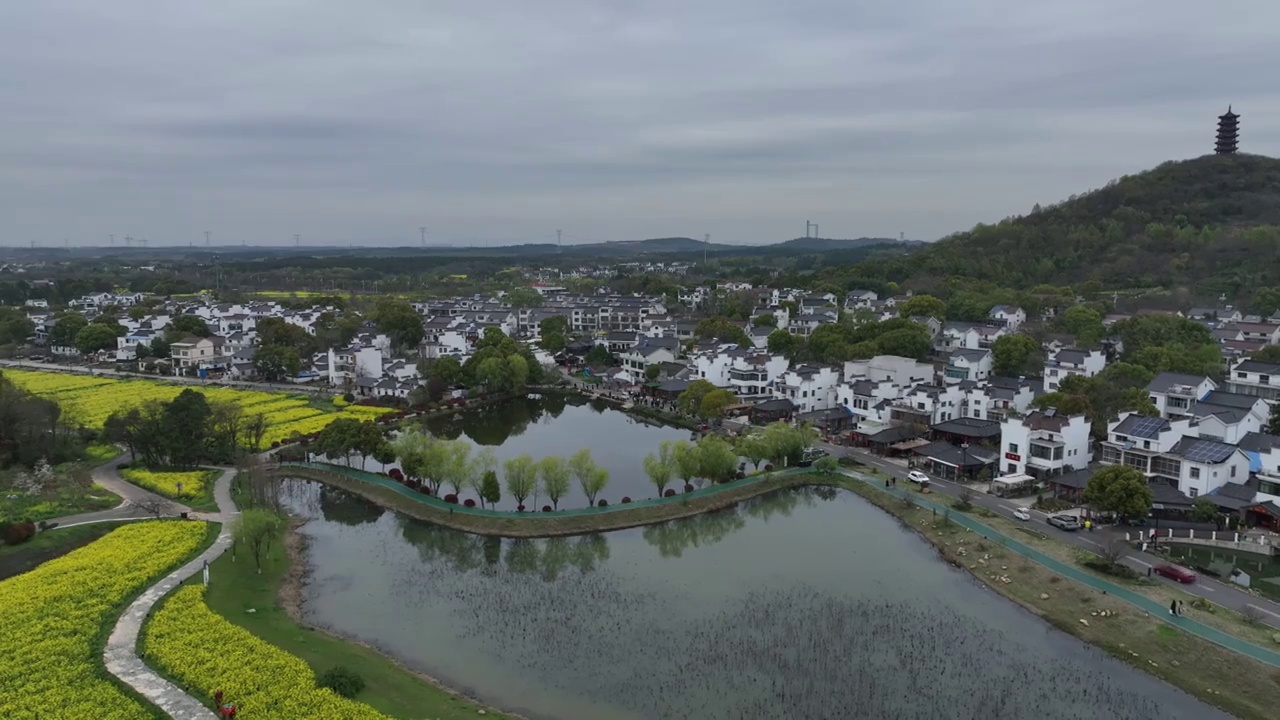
{"x": 423, "y": 229}
{"x": 206, "y": 238}
{"x": 297, "y": 240}
{"x": 816, "y": 232}
{"x": 807, "y": 225}
{"x": 113, "y": 239}
{"x": 706, "y": 239}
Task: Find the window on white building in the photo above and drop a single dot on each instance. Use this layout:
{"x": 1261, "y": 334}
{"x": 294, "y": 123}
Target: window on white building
{"x": 1193, "y": 492}
{"x": 1195, "y": 473}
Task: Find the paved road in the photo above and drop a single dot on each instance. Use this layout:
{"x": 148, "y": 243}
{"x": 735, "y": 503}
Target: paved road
{"x": 317, "y": 388}
{"x": 1228, "y": 596}
{"x": 108, "y": 477}
{"x": 120, "y": 654}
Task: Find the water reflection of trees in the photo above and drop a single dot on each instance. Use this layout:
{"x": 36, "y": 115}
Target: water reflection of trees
{"x": 344, "y": 507}
{"x": 548, "y": 558}
{"x": 674, "y": 537}
{"x": 494, "y": 424}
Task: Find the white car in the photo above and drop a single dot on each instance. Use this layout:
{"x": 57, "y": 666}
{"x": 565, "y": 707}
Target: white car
{"x": 918, "y": 477}
{"x": 1022, "y": 514}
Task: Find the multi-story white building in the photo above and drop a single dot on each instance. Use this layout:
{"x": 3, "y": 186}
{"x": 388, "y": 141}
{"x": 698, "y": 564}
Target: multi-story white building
{"x": 968, "y": 365}
{"x": 1007, "y": 316}
{"x": 1045, "y": 444}
{"x": 753, "y": 375}
{"x": 809, "y": 387}
{"x": 903, "y": 372}
{"x": 1069, "y": 362}
{"x": 868, "y": 400}
{"x": 349, "y": 364}
{"x": 997, "y": 398}
{"x": 1175, "y": 394}
{"x": 192, "y": 354}
{"x": 1198, "y": 466}
{"x": 1255, "y": 377}
{"x": 957, "y": 336}
{"x": 928, "y": 405}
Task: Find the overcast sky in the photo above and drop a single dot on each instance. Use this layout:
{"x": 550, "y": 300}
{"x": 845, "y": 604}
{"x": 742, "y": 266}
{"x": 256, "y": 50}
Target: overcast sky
{"x": 500, "y": 121}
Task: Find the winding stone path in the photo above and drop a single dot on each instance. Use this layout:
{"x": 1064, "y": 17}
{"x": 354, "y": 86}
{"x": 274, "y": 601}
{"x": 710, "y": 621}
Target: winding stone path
{"x": 121, "y": 656}
{"x": 108, "y": 476}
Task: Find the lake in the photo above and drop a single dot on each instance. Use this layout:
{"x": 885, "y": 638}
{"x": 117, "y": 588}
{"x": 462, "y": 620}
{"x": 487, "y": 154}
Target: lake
{"x": 561, "y": 425}
{"x": 804, "y": 603}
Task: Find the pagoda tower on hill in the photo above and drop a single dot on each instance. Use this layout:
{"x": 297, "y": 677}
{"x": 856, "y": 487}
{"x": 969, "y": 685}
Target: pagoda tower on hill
{"x": 1228, "y": 133}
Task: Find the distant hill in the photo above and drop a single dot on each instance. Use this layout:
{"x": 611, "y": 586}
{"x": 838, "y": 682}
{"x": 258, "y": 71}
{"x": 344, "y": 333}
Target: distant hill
{"x": 1210, "y": 223}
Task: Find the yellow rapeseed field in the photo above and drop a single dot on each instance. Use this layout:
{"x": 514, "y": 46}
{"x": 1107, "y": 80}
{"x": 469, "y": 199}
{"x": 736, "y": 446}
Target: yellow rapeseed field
{"x": 89, "y": 401}
{"x": 166, "y": 483}
{"x": 203, "y": 650}
{"x": 51, "y": 617}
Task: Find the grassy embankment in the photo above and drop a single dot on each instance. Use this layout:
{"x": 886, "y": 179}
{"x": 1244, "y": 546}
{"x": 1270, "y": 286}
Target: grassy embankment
{"x": 1239, "y": 685}
{"x": 391, "y": 688}
{"x": 538, "y": 525}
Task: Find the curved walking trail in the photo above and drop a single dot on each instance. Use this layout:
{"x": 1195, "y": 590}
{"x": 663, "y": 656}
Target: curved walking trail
{"x": 121, "y": 655}
{"x": 1142, "y": 602}
{"x": 108, "y": 476}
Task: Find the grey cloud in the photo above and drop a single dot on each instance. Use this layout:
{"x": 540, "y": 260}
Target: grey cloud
{"x": 614, "y": 120}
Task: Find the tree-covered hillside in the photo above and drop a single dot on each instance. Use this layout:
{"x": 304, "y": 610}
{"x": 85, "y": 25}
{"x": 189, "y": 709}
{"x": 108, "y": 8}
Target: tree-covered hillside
{"x": 1212, "y": 223}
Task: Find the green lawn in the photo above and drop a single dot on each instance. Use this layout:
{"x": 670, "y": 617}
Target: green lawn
{"x": 45, "y": 546}
{"x": 236, "y": 587}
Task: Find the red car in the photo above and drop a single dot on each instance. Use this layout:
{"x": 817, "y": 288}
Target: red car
{"x": 1176, "y": 572}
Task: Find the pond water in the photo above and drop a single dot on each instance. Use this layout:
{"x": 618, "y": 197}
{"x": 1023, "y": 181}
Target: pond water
{"x": 561, "y": 425}
{"x": 805, "y": 603}
{"x": 1263, "y": 571}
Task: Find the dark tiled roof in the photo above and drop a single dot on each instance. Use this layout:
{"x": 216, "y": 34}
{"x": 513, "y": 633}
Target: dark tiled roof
{"x": 1257, "y": 366}
{"x": 1233, "y": 400}
{"x": 1165, "y": 380}
{"x": 1142, "y": 426}
{"x": 969, "y": 427}
{"x": 1077, "y": 479}
{"x": 1258, "y": 442}
{"x": 1200, "y": 450}
{"x": 1162, "y": 493}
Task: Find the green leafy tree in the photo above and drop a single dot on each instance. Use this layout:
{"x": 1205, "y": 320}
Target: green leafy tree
{"x": 592, "y": 478}
{"x": 1121, "y": 490}
{"x": 1015, "y": 355}
{"x": 554, "y": 333}
{"x": 600, "y": 355}
{"x": 754, "y": 447}
{"x": 1084, "y": 323}
{"x": 398, "y": 319}
{"x": 555, "y": 474}
{"x": 278, "y": 331}
{"x": 714, "y": 403}
{"x": 1273, "y": 422}
{"x": 185, "y": 326}
{"x": 723, "y": 330}
{"x": 923, "y": 306}
{"x": 690, "y": 401}
{"x": 787, "y": 443}
{"x": 906, "y": 343}
{"x": 455, "y": 467}
{"x": 1205, "y": 510}
{"x": 522, "y": 477}
{"x": 159, "y": 347}
{"x": 447, "y": 370}
{"x": 94, "y": 337}
{"x": 490, "y": 490}
{"x": 652, "y": 372}
{"x": 784, "y": 343}
{"x": 684, "y": 456}
{"x": 67, "y": 326}
{"x": 187, "y": 425}
{"x": 277, "y": 362}
{"x": 1269, "y": 353}
{"x": 660, "y": 466}
{"x": 524, "y": 297}
{"x": 1265, "y": 301}
{"x": 765, "y": 320}
{"x": 256, "y": 528}
{"x": 826, "y": 465}
{"x": 716, "y": 458}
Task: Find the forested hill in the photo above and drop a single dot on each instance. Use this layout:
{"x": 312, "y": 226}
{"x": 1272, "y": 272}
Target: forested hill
{"x": 1212, "y": 223}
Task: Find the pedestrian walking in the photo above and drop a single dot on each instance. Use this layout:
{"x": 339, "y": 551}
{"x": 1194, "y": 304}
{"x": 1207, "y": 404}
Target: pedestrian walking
{"x": 1173, "y": 607}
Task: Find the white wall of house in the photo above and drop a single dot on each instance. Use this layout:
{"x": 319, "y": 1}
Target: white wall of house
{"x": 1059, "y": 367}
{"x": 816, "y": 391}
{"x": 1029, "y": 445}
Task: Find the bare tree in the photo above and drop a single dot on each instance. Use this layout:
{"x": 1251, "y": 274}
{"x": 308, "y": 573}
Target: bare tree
{"x": 156, "y": 507}
{"x": 1112, "y": 552}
